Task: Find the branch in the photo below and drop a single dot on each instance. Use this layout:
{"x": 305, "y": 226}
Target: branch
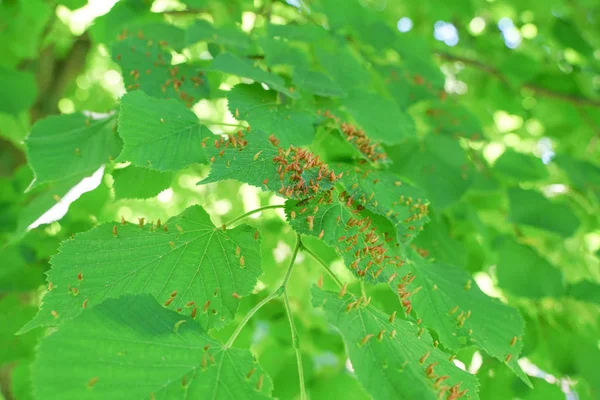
{"x": 541, "y": 91}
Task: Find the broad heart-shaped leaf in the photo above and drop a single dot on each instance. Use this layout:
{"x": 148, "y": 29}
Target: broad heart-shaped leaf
{"x": 520, "y": 166}
{"x": 385, "y": 194}
{"x": 522, "y": 271}
{"x": 448, "y": 301}
{"x": 191, "y": 266}
{"x": 18, "y": 91}
{"x": 529, "y": 207}
{"x": 257, "y": 159}
{"x": 63, "y": 146}
{"x": 231, "y": 64}
{"x": 353, "y": 231}
{"x": 260, "y": 108}
{"x": 160, "y": 134}
{"x": 132, "y": 348}
{"x": 146, "y": 65}
{"x": 381, "y": 118}
{"x": 139, "y": 183}
{"x": 390, "y": 359}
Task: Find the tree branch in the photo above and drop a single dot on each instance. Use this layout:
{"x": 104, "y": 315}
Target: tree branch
{"x": 540, "y": 91}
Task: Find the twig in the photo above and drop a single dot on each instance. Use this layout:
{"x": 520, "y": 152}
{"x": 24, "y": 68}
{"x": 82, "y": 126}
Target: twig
{"x": 541, "y": 91}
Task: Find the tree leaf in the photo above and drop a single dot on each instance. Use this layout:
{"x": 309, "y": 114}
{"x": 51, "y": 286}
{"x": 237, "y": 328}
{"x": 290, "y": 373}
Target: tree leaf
{"x": 519, "y": 166}
{"x": 351, "y": 230}
{"x": 259, "y": 107}
{"x": 381, "y": 119}
{"x": 14, "y": 312}
{"x": 142, "y": 350}
{"x": 316, "y": 83}
{"x": 18, "y": 91}
{"x": 160, "y": 134}
{"x": 448, "y": 301}
{"x": 228, "y": 36}
{"x": 438, "y": 165}
{"x": 146, "y": 65}
{"x": 391, "y": 359}
{"x": 257, "y": 159}
{"x": 231, "y": 64}
{"x": 192, "y": 267}
{"x": 522, "y": 271}
{"x": 139, "y": 183}
{"x": 529, "y": 207}
{"x": 63, "y": 146}
{"x": 385, "y": 194}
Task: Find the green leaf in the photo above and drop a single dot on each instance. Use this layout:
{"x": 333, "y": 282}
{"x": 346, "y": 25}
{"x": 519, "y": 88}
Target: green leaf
{"x": 381, "y": 119}
{"x": 391, "y": 359}
{"x": 342, "y": 66}
{"x": 228, "y": 36}
{"x": 263, "y": 112}
{"x": 231, "y": 64}
{"x": 139, "y": 183}
{"x": 190, "y": 261}
{"x": 160, "y": 134}
{"x": 18, "y": 91}
{"x": 522, "y": 271}
{"x": 257, "y": 159}
{"x": 452, "y": 119}
{"x": 582, "y": 174}
{"x": 585, "y": 291}
{"x": 15, "y": 274}
{"x": 14, "y": 312}
{"x": 438, "y": 165}
{"x": 280, "y": 52}
{"x": 146, "y": 65}
{"x": 142, "y": 350}
{"x": 519, "y": 166}
{"x": 529, "y": 207}
{"x": 448, "y": 301}
{"x": 20, "y": 380}
{"x": 384, "y": 193}
{"x": 350, "y": 229}
{"x": 317, "y": 83}
{"x": 64, "y": 146}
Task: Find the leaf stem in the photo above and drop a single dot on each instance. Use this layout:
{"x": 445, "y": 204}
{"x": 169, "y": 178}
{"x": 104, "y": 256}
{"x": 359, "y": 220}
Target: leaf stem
{"x": 276, "y": 293}
{"x": 295, "y": 345}
{"x": 324, "y": 265}
{"x": 256, "y": 210}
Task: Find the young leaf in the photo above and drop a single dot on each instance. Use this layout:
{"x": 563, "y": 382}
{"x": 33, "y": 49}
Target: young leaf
{"x": 139, "y": 183}
{"x": 231, "y": 64}
{"x": 257, "y": 159}
{"x": 451, "y": 303}
{"x": 390, "y": 359}
{"x": 317, "y": 83}
{"x": 188, "y": 264}
{"x": 146, "y": 65}
{"x": 160, "y": 134}
{"x": 141, "y": 350}
{"x": 62, "y": 146}
{"x": 260, "y": 108}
